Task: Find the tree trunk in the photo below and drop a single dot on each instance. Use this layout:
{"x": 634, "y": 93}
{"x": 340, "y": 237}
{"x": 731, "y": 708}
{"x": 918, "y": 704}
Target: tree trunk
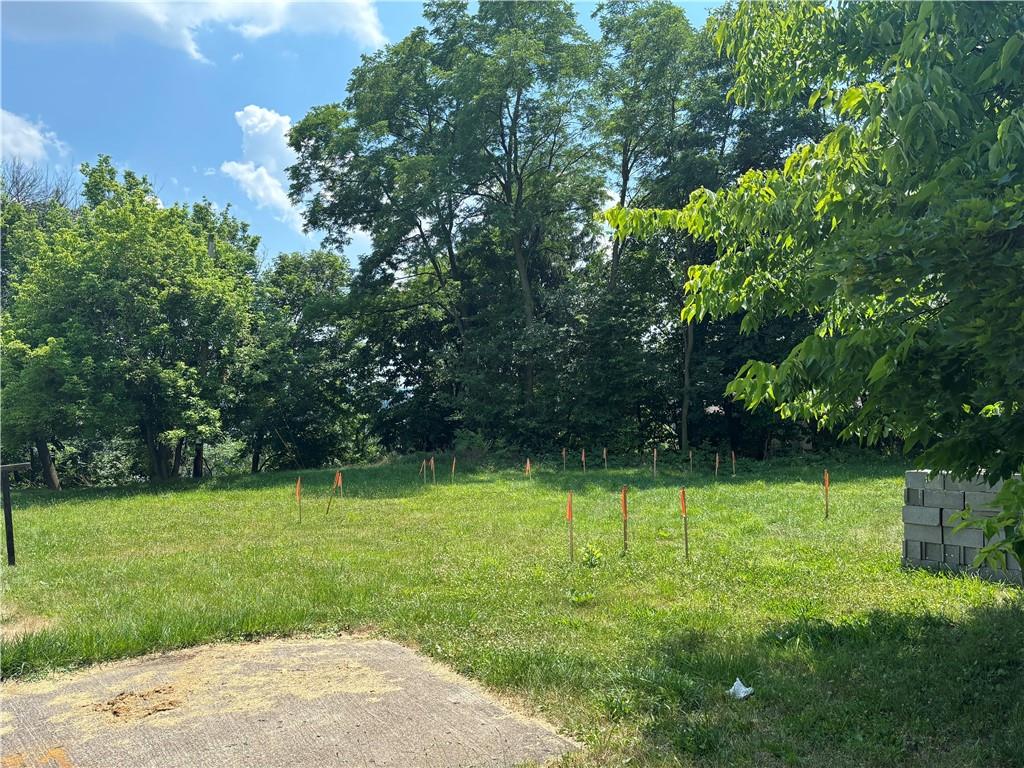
{"x": 159, "y": 455}
{"x": 684, "y": 417}
{"x": 46, "y": 460}
{"x": 179, "y": 454}
{"x": 197, "y": 462}
{"x": 257, "y": 449}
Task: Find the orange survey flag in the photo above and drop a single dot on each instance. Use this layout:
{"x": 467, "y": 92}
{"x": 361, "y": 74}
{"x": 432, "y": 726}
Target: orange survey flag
{"x": 682, "y": 502}
{"x": 568, "y": 508}
{"x": 527, "y": 470}
{"x": 298, "y": 489}
{"x": 827, "y": 483}
{"x": 337, "y": 479}
{"x": 625, "y": 509}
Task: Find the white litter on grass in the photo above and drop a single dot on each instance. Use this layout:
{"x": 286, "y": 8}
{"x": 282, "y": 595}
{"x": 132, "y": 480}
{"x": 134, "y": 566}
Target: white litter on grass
{"x": 739, "y": 690}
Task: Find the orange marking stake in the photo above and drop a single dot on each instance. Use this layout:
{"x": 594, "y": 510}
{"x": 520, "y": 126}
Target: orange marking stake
{"x": 583, "y": 458}
{"x": 827, "y": 484}
{"x": 604, "y": 455}
{"x": 734, "y": 463}
{"x": 625, "y": 521}
{"x": 568, "y": 516}
{"x": 529, "y": 469}
{"x": 334, "y": 488}
{"x": 433, "y": 474}
{"x": 298, "y": 495}
{"x": 686, "y": 527}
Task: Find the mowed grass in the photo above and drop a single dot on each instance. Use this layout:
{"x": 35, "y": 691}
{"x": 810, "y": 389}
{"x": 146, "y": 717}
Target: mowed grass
{"x": 854, "y": 661}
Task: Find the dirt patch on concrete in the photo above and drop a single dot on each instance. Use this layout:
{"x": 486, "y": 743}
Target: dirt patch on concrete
{"x": 345, "y": 701}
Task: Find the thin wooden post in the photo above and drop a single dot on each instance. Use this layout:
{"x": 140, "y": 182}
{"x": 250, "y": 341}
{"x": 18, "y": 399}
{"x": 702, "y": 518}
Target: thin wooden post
{"x": 568, "y": 516}
{"x": 453, "y": 469}
{"x": 655, "y": 461}
{"x": 717, "y": 462}
{"x": 691, "y": 460}
{"x": 625, "y": 520}
{"x": 583, "y": 458}
{"x": 298, "y": 496}
{"x": 734, "y": 463}
{"x": 604, "y": 455}
{"x": 827, "y": 484}
{"x": 433, "y": 473}
{"x": 334, "y": 490}
{"x": 529, "y": 469}
{"x": 686, "y": 526}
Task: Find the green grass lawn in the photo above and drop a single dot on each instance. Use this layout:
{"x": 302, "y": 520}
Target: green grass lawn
{"x": 854, "y": 661}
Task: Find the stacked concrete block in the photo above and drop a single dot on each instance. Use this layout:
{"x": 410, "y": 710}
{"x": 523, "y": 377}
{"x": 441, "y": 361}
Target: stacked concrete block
{"x": 931, "y": 513}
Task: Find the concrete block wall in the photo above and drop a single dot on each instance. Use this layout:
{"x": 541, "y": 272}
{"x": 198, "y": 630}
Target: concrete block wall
{"x": 930, "y": 538}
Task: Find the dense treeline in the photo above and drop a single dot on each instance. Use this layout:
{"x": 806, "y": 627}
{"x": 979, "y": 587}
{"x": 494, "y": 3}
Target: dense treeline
{"x": 148, "y": 341}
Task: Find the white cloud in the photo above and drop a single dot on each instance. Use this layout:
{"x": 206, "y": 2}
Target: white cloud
{"x": 265, "y": 156}
{"x": 29, "y": 142}
{"x": 176, "y": 24}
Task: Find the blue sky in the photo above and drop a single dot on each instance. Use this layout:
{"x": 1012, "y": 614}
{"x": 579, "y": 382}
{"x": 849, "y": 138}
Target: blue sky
{"x": 197, "y": 96}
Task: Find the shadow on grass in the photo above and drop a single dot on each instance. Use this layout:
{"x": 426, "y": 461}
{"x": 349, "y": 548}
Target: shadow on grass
{"x": 883, "y": 689}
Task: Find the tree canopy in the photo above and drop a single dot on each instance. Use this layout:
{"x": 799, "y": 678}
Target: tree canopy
{"x": 901, "y": 228}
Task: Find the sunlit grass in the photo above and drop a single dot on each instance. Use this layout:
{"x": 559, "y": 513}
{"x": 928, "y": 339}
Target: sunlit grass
{"x": 854, "y": 661}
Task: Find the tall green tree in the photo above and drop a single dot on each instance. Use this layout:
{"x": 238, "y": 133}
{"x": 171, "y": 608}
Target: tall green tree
{"x": 131, "y": 317}
{"x": 901, "y": 229}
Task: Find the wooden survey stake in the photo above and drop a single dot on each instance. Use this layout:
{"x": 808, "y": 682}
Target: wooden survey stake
{"x": 433, "y": 473}
{"x": 691, "y": 460}
{"x": 453, "y": 468}
{"x": 583, "y": 458}
{"x": 686, "y": 527}
{"x": 568, "y": 516}
{"x": 625, "y": 520}
{"x": 604, "y": 455}
{"x": 529, "y": 470}
{"x": 335, "y": 487}
{"x": 734, "y": 463}
{"x": 298, "y": 495}
{"x": 655, "y": 462}
{"x": 718, "y": 459}
{"x": 563, "y": 459}
{"x": 827, "y": 484}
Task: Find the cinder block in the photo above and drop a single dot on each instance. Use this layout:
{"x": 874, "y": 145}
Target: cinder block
{"x": 950, "y": 519}
{"x": 977, "y": 483}
{"x": 968, "y": 537}
{"x": 944, "y": 499}
{"x": 922, "y": 515}
{"x": 967, "y": 555}
{"x": 913, "y": 497}
{"x": 951, "y": 555}
{"x": 1012, "y": 564}
{"x": 981, "y": 501}
{"x": 930, "y": 534}
{"x": 913, "y": 550}
{"x": 933, "y": 550}
{"x": 921, "y": 478}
